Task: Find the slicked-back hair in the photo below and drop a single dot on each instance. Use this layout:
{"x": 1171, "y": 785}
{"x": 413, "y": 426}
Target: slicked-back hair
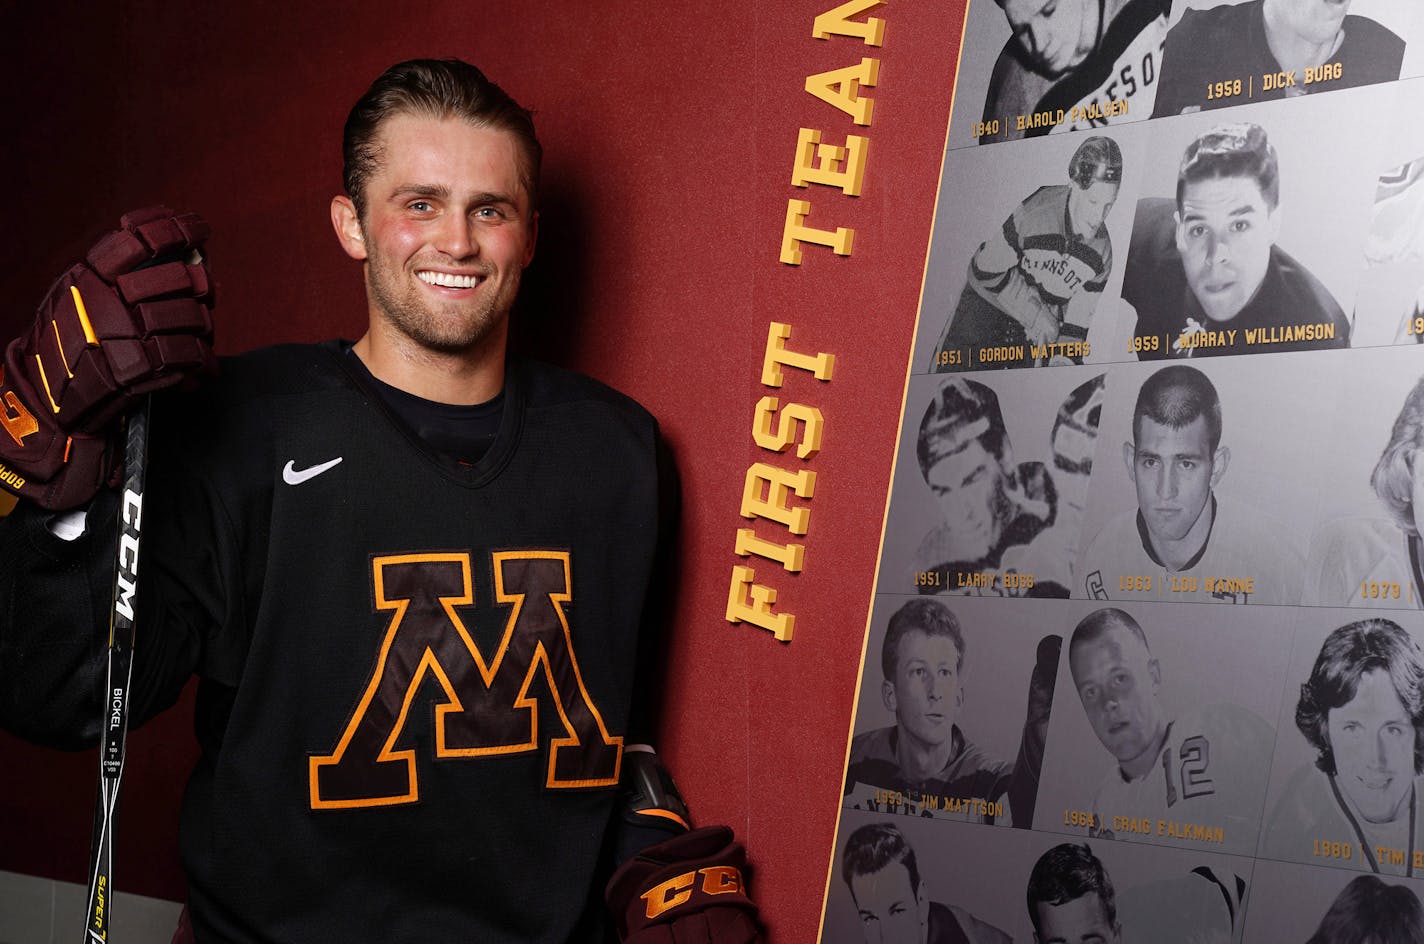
{"x": 1235, "y": 150}
{"x": 1348, "y": 653}
{"x": 961, "y": 412}
{"x": 1393, "y": 477}
{"x": 1368, "y": 911}
{"x": 1097, "y": 158}
{"x": 1098, "y": 623}
{"x": 922, "y": 615}
{"x": 1174, "y": 397}
{"x": 1066, "y": 873}
{"x": 436, "y": 88}
{"x": 876, "y": 846}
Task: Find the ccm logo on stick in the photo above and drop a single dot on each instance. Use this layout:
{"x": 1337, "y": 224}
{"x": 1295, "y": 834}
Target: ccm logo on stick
{"x": 127, "y": 577}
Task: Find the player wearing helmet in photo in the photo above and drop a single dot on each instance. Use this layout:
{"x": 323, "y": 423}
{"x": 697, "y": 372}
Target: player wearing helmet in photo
{"x": 1075, "y": 54}
{"x": 1197, "y": 778}
{"x": 996, "y": 513}
{"x": 891, "y": 894}
{"x": 1373, "y": 560}
{"x": 925, "y": 758}
{"x": 1260, "y": 50}
{"x": 1204, "y": 271}
{"x": 1188, "y": 542}
{"x": 1037, "y": 279}
{"x": 1362, "y": 709}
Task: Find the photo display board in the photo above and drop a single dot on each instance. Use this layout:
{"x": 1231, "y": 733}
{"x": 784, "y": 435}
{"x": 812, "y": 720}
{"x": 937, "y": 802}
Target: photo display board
{"x": 1145, "y": 658}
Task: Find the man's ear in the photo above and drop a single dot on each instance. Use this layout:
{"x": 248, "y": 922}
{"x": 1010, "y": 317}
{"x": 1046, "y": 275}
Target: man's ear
{"x": 1219, "y": 461}
{"x": 347, "y": 224}
{"x": 533, "y": 238}
{"x": 1178, "y": 238}
{"x": 1129, "y": 459}
{"x": 1273, "y": 223}
{"x": 887, "y": 695}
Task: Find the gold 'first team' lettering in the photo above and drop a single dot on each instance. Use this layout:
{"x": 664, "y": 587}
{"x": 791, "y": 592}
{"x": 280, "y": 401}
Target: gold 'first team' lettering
{"x": 487, "y": 708}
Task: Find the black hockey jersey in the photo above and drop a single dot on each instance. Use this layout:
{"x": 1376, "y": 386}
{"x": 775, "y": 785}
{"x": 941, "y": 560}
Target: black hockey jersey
{"x": 417, "y": 676}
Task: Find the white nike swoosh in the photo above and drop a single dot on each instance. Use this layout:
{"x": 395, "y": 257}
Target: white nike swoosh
{"x": 291, "y": 476}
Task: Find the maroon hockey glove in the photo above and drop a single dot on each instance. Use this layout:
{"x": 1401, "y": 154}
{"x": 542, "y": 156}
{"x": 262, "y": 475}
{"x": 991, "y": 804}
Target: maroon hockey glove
{"x": 687, "y": 890}
{"x": 134, "y": 317}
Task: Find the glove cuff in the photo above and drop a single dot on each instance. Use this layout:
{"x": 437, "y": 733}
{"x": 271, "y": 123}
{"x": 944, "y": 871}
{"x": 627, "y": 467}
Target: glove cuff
{"x": 676, "y": 879}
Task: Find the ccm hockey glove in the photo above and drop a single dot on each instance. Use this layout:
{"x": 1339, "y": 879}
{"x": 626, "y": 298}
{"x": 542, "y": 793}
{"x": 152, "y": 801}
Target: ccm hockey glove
{"x": 134, "y": 317}
{"x": 687, "y": 890}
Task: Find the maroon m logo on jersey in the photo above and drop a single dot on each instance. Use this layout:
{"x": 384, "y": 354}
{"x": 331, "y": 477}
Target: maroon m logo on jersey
{"x": 487, "y": 707}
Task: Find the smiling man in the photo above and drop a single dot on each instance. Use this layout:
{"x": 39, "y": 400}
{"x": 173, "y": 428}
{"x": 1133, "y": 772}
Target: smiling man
{"x": 1362, "y": 710}
{"x": 415, "y": 577}
{"x": 1183, "y": 541}
{"x": 1205, "y": 275}
{"x": 1097, "y": 60}
{"x": 1263, "y": 50}
{"x": 1196, "y": 779}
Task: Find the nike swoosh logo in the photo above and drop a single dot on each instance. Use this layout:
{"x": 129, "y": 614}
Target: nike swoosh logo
{"x": 292, "y": 476}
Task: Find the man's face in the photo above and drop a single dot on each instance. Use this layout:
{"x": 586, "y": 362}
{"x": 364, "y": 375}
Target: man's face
{"x": 447, "y": 232}
{"x": 1078, "y": 921}
{"x": 890, "y": 910}
{"x": 1089, "y": 208}
{"x": 1224, "y": 234}
{"x": 1174, "y": 471}
{"x": 925, "y": 693}
{"x": 1056, "y": 35}
{"x": 1118, "y": 681}
{"x": 971, "y": 490}
{"x": 1314, "y": 21}
{"x": 1372, "y": 739}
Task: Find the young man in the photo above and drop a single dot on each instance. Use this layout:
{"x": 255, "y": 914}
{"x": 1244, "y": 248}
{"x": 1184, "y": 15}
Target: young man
{"x": 1071, "y": 898}
{"x": 998, "y": 516}
{"x": 988, "y": 504}
{"x": 1182, "y": 541}
{"x": 1037, "y": 279}
{"x": 1205, "y": 274}
{"x": 1198, "y": 779}
{"x": 1264, "y": 50}
{"x": 892, "y": 897}
{"x": 1362, "y": 709}
{"x": 925, "y": 759}
{"x": 336, "y": 535}
{"x": 1092, "y": 55}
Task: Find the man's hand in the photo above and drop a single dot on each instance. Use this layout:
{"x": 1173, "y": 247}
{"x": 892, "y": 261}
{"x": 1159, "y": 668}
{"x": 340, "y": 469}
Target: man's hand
{"x": 134, "y": 317}
{"x": 688, "y": 890}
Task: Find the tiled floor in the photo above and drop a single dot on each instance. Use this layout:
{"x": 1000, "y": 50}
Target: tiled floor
{"x": 40, "y": 911}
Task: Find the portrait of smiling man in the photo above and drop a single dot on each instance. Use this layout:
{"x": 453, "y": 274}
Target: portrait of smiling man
{"x": 1182, "y": 534}
{"x": 1203, "y": 768}
{"x": 1229, "y": 53}
{"x": 1067, "y": 54}
{"x": 1362, "y": 711}
{"x": 415, "y": 540}
{"x": 1204, "y": 273}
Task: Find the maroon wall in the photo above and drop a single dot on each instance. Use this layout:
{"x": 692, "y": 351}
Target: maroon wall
{"x": 670, "y": 135}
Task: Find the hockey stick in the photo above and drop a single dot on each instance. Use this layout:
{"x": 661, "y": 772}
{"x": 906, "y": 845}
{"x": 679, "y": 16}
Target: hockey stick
{"x": 116, "y": 702}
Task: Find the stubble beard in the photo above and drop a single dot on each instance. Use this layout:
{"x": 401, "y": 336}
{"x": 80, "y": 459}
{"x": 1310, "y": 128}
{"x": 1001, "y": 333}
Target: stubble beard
{"x": 462, "y": 327}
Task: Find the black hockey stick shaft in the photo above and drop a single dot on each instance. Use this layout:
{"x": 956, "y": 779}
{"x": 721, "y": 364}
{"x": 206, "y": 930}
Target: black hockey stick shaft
{"x": 99, "y": 914}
